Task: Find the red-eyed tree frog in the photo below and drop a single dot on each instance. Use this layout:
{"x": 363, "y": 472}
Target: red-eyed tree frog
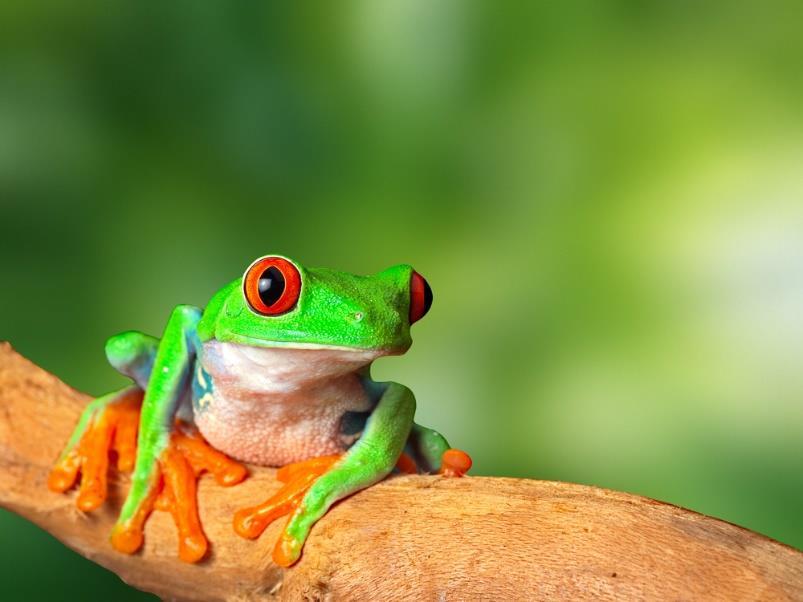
{"x": 275, "y": 372}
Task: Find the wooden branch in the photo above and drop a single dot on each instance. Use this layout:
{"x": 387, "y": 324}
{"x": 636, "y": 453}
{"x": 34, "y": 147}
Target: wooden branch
{"x": 407, "y": 538}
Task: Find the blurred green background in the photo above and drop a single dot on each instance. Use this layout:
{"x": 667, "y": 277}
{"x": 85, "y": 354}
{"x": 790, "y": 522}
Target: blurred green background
{"x": 607, "y": 198}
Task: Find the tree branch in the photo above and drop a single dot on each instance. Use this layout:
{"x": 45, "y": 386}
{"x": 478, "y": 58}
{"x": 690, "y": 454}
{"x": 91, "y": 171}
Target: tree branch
{"x": 406, "y": 538}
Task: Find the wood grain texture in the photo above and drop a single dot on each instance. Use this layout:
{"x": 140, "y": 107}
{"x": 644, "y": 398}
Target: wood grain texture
{"x": 408, "y": 538}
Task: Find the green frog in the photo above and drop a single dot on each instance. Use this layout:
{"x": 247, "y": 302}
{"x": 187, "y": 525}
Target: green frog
{"x": 275, "y": 371}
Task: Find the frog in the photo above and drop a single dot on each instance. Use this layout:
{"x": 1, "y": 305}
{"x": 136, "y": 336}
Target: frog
{"x": 274, "y": 371}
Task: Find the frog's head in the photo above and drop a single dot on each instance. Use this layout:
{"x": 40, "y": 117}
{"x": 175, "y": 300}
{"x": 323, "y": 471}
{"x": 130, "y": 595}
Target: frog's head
{"x": 279, "y": 302}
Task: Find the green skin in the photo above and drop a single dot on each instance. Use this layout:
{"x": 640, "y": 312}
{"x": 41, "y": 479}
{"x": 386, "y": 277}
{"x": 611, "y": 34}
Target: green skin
{"x": 334, "y": 309}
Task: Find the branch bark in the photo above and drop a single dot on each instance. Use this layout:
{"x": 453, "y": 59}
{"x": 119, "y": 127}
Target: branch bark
{"x": 407, "y": 538}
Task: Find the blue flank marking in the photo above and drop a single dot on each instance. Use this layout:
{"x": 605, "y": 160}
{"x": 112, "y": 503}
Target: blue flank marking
{"x": 203, "y": 389}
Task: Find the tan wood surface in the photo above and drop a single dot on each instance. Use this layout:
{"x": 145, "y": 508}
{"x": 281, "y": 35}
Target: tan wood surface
{"x": 409, "y": 538}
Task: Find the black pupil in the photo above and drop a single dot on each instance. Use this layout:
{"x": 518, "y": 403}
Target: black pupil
{"x": 427, "y": 297}
{"x": 271, "y": 285}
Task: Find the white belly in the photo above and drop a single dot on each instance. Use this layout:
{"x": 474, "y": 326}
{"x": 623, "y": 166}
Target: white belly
{"x": 274, "y": 406}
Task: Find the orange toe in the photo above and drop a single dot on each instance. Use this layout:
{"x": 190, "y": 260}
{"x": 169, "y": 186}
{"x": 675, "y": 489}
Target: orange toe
{"x": 125, "y": 436}
{"x": 231, "y": 475}
{"x": 318, "y": 466}
{"x": 64, "y": 473}
{"x": 286, "y": 551}
{"x": 94, "y": 450}
{"x": 204, "y": 457}
{"x": 455, "y": 463}
{"x": 127, "y": 539}
{"x": 192, "y": 547}
{"x": 406, "y": 464}
{"x": 181, "y": 500}
{"x": 251, "y": 522}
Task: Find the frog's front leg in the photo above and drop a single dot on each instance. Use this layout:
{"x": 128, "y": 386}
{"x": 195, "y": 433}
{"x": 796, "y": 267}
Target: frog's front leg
{"x": 171, "y": 454}
{"x": 430, "y": 452}
{"x": 368, "y": 461}
{"x": 371, "y": 459}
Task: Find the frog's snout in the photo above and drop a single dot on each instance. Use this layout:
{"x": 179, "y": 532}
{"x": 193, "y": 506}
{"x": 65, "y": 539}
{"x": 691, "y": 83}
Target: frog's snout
{"x": 380, "y": 328}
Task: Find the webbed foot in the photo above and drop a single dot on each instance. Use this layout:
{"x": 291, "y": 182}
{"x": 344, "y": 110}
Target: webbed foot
{"x": 111, "y": 423}
{"x": 298, "y": 478}
{"x": 174, "y": 490}
{"x": 108, "y": 423}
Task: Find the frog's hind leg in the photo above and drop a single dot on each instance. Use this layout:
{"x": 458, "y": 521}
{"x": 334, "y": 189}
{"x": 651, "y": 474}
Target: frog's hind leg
{"x": 428, "y": 450}
{"x": 132, "y": 353}
{"x": 108, "y": 423}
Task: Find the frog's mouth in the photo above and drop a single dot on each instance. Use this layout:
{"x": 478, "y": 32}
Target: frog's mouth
{"x": 281, "y": 367}
{"x": 266, "y": 355}
{"x": 255, "y": 342}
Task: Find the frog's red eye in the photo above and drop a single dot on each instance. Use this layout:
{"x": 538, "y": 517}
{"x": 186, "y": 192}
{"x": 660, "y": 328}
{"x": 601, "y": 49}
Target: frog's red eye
{"x": 271, "y": 286}
{"x": 420, "y": 297}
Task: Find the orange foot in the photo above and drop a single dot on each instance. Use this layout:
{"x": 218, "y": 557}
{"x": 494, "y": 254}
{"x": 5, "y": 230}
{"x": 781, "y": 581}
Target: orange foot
{"x": 298, "y": 478}
{"x": 175, "y": 491}
{"x": 114, "y": 427}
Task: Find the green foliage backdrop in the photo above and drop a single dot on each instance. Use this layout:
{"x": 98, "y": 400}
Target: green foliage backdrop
{"x": 605, "y": 196}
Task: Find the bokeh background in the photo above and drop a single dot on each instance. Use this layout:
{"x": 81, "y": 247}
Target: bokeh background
{"x": 607, "y": 198}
